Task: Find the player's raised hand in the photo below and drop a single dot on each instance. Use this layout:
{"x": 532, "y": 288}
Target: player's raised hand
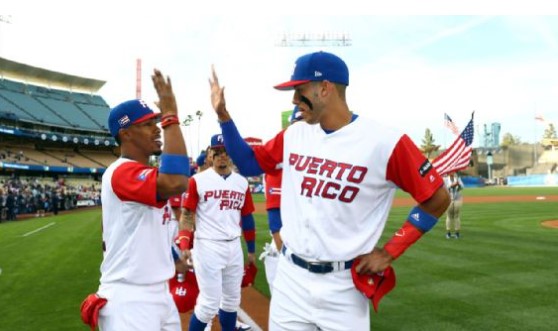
{"x": 163, "y": 86}
{"x": 218, "y": 97}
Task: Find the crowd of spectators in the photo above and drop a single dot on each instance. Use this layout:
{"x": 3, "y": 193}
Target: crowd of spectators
{"x": 39, "y": 196}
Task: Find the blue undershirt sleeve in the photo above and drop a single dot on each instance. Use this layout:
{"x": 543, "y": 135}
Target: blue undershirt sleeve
{"x": 240, "y": 152}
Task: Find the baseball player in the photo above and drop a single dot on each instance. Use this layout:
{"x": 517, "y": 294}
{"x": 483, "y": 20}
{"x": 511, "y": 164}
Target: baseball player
{"x": 340, "y": 173}
{"x": 184, "y": 298}
{"x": 220, "y": 205}
{"x": 270, "y": 256}
{"x": 453, "y": 214}
{"x": 137, "y": 261}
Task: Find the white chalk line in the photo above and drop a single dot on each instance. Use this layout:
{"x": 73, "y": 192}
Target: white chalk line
{"x": 39, "y": 229}
{"x": 248, "y": 320}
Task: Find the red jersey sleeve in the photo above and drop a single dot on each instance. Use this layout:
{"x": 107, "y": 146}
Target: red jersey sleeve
{"x": 133, "y": 181}
{"x": 192, "y": 197}
{"x": 248, "y": 207}
{"x": 411, "y": 171}
{"x": 270, "y": 154}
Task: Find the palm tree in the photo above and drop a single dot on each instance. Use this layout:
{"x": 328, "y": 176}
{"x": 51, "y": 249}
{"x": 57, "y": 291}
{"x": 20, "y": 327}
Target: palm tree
{"x": 189, "y": 119}
{"x": 199, "y": 114}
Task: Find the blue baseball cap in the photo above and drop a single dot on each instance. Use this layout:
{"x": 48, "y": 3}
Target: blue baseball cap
{"x": 201, "y": 159}
{"x": 296, "y": 115}
{"x": 217, "y": 141}
{"x": 317, "y": 66}
{"x": 128, "y": 113}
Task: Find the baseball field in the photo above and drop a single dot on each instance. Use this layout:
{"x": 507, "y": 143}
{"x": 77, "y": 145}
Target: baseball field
{"x": 501, "y": 274}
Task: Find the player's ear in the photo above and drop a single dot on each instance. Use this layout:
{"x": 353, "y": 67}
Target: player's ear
{"x": 124, "y": 134}
{"x": 326, "y": 88}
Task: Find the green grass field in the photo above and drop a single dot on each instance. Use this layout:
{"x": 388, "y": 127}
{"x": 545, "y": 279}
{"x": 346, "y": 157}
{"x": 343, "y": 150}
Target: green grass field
{"x": 500, "y": 276}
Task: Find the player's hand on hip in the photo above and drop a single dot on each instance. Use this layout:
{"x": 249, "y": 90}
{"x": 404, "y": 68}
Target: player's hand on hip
{"x": 218, "y": 97}
{"x": 167, "y": 100}
{"x": 376, "y": 261}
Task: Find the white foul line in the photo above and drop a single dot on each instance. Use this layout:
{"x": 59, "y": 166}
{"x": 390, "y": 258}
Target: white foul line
{"x": 248, "y": 320}
{"x": 39, "y": 229}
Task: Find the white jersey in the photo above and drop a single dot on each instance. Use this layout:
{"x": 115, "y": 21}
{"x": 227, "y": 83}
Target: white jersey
{"x": 219, "y": 204}
{"x": 337, "y": 188}
{"x": 136, "y": 231}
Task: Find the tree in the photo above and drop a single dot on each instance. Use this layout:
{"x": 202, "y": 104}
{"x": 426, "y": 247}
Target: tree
{"x": 199, "y": 114}
{"x": 188, "y": 120}
{"x": 549, "y": 132}
{"x": 428, "y": 146}
{"x": 509, "y": 140}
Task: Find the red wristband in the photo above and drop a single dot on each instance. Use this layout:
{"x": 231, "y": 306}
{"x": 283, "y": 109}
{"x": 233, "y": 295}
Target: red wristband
{"x": 185, "y": 240}
{"x": 169, "y": 120}
{"x": 407, "y": 235}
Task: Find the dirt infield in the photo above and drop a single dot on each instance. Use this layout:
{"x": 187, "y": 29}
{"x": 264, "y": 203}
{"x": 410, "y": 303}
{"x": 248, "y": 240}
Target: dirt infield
{"x": 551, "y": 224}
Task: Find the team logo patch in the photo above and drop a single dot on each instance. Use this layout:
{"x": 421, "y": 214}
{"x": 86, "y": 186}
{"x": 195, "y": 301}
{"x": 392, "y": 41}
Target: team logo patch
{"x": 123, "y": 121}
{"x": 275, "y": 190}
{"x": 143, "y": 175}
{"x": 425, "y": 168}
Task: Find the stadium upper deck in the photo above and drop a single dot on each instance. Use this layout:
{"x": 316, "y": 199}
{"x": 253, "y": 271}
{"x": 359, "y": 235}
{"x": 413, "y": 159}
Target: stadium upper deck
{"x": 58, "y": 120}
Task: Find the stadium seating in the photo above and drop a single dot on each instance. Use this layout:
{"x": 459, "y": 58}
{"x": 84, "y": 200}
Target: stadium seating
{"x": 53, "y": 106}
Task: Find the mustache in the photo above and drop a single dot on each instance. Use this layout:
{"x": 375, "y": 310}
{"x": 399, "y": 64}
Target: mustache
{"x": 307, "y": 102}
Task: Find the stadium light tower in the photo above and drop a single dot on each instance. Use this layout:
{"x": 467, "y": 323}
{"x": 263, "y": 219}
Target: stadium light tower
{"x": 309, "y": 39}
{"x": 138, "y": 79}
{"x": 6, "y": 19}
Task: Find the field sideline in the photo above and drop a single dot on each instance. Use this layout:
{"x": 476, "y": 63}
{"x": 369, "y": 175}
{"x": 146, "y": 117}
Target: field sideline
{"x": 501, "y": 275}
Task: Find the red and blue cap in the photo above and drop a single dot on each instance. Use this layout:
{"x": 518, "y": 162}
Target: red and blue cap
{"x": 200, "y": 161}
{"x": 317, "y": 66}
{"x": 127, "y": 113}
{"x": 217, "y": 141}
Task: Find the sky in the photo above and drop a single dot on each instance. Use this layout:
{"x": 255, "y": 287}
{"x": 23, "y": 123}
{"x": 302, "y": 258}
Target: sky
{"x": 409, "y": 64}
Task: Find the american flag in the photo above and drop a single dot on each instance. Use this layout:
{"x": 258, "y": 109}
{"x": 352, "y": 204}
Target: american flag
{"x": 539, "y": 118}
{"x": 458, "y": 155}
{"x": 449, "y": 123}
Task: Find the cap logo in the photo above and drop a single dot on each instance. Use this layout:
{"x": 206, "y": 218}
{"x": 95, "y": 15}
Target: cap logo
{"x": 317, "y": 74}
{"x": 143, "y": 103}
{"x": 123, "y": 121}
{"x": 220, "y": 138}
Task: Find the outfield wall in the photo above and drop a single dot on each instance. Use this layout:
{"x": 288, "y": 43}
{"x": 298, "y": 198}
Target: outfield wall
{"x": 533, "y": 180}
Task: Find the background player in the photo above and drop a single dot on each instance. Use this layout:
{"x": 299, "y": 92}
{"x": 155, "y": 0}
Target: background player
{"x": 453, "y": 214}
{"x": 219, "y": 200}
{"x": 340, "y": 173}
{"x": 204, "y": 161}
{"x": 137, "y": 260}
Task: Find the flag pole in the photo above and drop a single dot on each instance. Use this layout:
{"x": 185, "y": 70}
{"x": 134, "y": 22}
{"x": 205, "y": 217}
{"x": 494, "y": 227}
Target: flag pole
{"x": 535, "y": 161}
